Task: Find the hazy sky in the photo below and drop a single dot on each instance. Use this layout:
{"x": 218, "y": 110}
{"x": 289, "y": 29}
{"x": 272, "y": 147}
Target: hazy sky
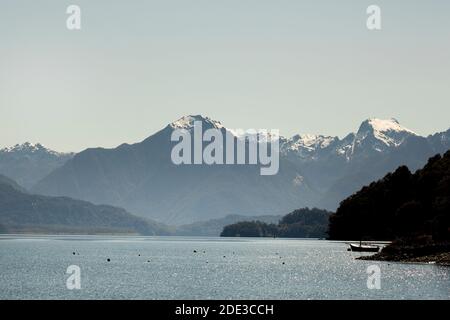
{"x": 299, "y": 66}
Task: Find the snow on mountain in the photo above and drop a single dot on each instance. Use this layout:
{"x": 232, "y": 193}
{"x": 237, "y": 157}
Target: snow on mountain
{"x": 27, "y": 163}
{"x": 30, "y": 148}
{"x": 315, "y": 170}
{"x": 440, "y": 141}
{"x": 307, "y": 146}
{"x": 187, "y": 122}
{"x": 143, "y": 178}
{"x": 381, "y": 126}
{"x": 309, "y": 142}
{"x": 373, "y": 135}
{"x": 388, "y": 132}
{"x": 344, "y": 147}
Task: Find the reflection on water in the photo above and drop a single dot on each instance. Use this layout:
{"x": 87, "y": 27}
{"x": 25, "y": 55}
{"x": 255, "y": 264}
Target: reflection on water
{"x": 34, "y": 267}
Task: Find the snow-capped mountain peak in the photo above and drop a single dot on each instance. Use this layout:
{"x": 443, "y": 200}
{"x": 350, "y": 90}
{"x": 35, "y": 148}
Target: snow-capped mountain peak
{"x": 307, "y": 146}
{"x": 312, "y": 140}
{"x": 30, "y": 148}
{"x": 387, "y": 132}
{"x": 27, "y": 163}
{"x": 392, "y": 124}
{"x": 373, "y": 135}
{"x": 187, "y": 122}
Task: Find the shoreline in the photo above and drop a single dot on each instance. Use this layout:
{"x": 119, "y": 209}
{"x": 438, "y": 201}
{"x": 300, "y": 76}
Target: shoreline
{"x": 442, "y": 259}
{"x": 429, "y": 253}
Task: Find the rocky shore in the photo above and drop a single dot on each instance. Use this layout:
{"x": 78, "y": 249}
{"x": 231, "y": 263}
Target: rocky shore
{"x": 414, "y": 251}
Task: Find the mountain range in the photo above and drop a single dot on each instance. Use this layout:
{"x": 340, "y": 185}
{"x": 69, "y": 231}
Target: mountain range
{"x": 22, "y": 212}
{"x": 28, "y": 163}
{"x": 315, "y": 170}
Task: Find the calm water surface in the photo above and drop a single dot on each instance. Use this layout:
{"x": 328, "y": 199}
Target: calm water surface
{"x": 34, "y": 267}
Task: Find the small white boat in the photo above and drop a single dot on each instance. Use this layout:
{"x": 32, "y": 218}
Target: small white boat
{"x": 363, "y": 248}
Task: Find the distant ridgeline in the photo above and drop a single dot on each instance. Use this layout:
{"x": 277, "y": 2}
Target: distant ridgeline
{"x": 301, "y": 223}
{"x": 401, "y": 205}
{"x": 21, "y": 212}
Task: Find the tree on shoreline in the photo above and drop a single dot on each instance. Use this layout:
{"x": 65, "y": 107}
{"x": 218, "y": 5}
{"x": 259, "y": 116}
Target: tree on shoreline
{"x": 301, "y": 223}
{"x": 401, "y": 204}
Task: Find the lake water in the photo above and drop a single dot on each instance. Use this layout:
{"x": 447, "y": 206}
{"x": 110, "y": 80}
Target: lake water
{"x": 34, "y": 267}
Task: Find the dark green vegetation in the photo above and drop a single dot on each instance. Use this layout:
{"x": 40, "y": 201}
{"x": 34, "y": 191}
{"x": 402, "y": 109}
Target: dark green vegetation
{"x": 23, "y": 212}
{"x": 413, "y": 210}
{"x": 415, "y": 249}
{"x": 213, "y": 227}
{"x": 301, "y": 223}
{"x": 250, "y": 229}
{"x": 401, "y": 205}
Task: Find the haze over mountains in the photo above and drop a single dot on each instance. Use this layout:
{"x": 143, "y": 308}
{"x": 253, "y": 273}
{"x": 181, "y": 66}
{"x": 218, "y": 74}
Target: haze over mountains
{"x": 23, "y": 212}
{"x": 314, "y": 170}
{"x": 142, "y": 178}
{"x": 28, "y": 163}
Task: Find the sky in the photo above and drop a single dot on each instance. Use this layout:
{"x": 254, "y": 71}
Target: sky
{"x": 297, "y": 66}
